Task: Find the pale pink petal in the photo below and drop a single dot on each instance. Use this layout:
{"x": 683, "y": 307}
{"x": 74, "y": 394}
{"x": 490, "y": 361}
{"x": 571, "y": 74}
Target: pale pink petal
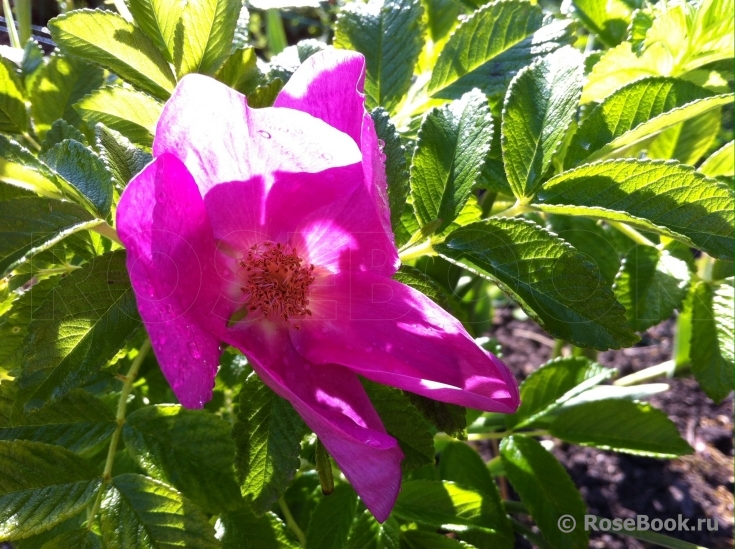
{"x": 392, "y": 334}
{"x": 334, "y": 405}
{"x": 219, "y": 138}
{"x": 162, "y": 221}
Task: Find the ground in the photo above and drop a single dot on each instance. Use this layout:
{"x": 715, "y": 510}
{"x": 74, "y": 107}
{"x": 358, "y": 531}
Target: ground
{"x": 617, "y": 485}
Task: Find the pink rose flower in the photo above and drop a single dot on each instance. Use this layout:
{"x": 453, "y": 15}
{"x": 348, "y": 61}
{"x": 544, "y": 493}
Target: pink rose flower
{"x": 268, "y": 229}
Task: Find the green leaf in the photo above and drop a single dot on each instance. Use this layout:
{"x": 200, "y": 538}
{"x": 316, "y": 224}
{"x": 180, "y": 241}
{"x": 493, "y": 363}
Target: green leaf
{"x": 265, "y": 94}
{"x": 489, "y": 47}
{"x": 442, "y": 15}
{"x": 41, "y": 486}
{"x": 132, "y": 113}
{"x": 721, "y": 162}
{"x": 331, "y": 520}
{"x": 207, "y": 30}
{"x": 123, "y": 159}
{"x": 687, "y": 141}
{"x": 20, "y": 168}
{"x": 591, "y": 239}
{"x": 650, "y": 285}
{"x": 539, "y": 107}
{"x": 59, "y": 131}
{"x": 60, "y": 83}
{"x": 396, "y": 173}
{"x": 32, "y": 224}
{"x": 553, "y": 384}
{"x": 138, "y": 512}
{"x": 453, "y": 143}
{"x": 241, "y": 71}
{"x": 389, "y": 34}
{"x": 421, "y": 539}
{"x": 545, "y": 489}
{"x": 712, "y": 339}
{"x": 78, "y": 422}
{"x": 283, "y": 65}
{"x": 553, "y": 283}
{"x": 13, "y": 116}
{"x": 33, "y": 60}
{"x": 411, "y": 276}
{"x": 368, "y": 533}
{"x": 461, "y": 464}
{"x": 84, "y": 171}
{"x": 189, "y": 449}
{"x": 620, "y": 425}
{"x": 267, "y": 435}
{"x": 451, "y": 507}
{"x": 107, "y": 39}
{"x": 636, "y": 112}
{"x": 80, "y": 538}
{"x": 663, "y": 197}
{"x": 159, "y": 19}
{"x": 243, "y": 530}
{"x": 447, "y": 418}
{"x": 14, "y": 323}
{"x": 609, "y": 20}
{"x": 89, "y": 317}
{"x": 404, "y": 423}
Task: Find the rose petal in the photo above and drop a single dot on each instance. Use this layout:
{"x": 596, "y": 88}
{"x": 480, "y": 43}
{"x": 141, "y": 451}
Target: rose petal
{"x": 162, "y": 221}
{"x": 397, "y": 336}
{"x": 334, "y": 405}
{"x": 212, "y": 130}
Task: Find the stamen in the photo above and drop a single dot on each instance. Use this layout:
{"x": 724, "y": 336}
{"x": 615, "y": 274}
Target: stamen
{"x": 276, "y": 281}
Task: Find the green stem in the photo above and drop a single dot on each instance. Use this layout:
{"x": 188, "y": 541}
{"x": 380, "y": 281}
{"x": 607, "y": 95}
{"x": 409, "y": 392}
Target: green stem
{"x": 667, "y": 369}
{"x": 516, "y": 209}
{"x": 275, "y": 34}
{"x": 23, "y": 14}
{"x": 529, "y": 534}
{"x": 419, "y": 250}
{"x": 631, "y": 233}
{"x": 10, "y": 22}
{"x": 122, "y": 405}
{"x": 290, "y": 522}
{"x": 32, "y": 142}
{"x": 105, "y": 230}
{"x": 558, "y": 347}
{"x": 122, "y": 9}
{"x": 503, "y": 434}
{"x": 660, "y": 539}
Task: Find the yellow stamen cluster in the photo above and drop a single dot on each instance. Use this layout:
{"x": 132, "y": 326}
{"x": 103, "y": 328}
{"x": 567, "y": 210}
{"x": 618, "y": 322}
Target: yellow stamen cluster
{"x": 276, "y": 281}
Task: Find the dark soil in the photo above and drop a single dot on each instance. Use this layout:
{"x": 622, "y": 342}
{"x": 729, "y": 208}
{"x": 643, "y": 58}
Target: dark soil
{"x": 622, "y": 486}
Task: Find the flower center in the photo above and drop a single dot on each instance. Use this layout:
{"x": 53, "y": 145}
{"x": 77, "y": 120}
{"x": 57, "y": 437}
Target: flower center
{"x": 276, "y": 281}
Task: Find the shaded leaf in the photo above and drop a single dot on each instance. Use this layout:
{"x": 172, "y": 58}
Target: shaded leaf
{"x": 396, "y": 172}
{"x": 59, "y": 131}
{"x": 453, "y": 143}
{"x": 545, "y": 489}
{"x": 13, "y": 116}
{"x": 330, "y": 522}
{"x": 389, "y": 34}
{"x": 138, "y": 512}
{"x": 84, "y": 171}
{"x": 448, "y": 418}
{"x": 81, "y": 538}
{"x": 712, "y": 342}
{"x": 243, "y": 530}
{"x": 650, "y": 285}
{"x": 241, "y": 71}
{"x": 88, "y": 318}
{"x": 368, "y": 533}
{"x": 60, "y": 83}
{"x": 189, "y": 449}
{"x": 41, "y": 486}
{"x": 123, "y": 159}
{"x": 403, "y": 422}
{"x": 551, "y": 281}
{"x": 267, "y": 435}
